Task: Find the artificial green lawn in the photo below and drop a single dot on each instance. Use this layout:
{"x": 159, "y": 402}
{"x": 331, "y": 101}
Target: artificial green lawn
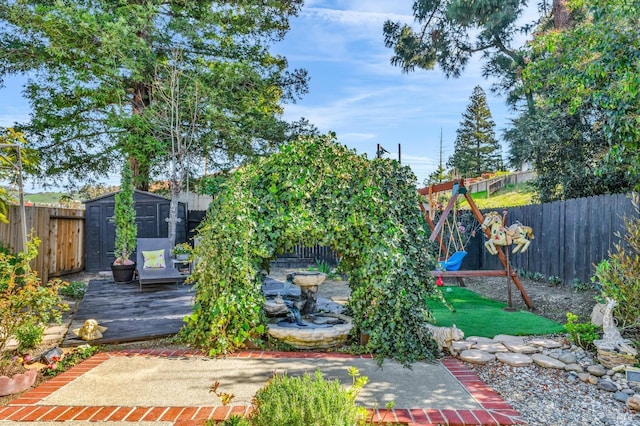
{"x": 479, "y": 316}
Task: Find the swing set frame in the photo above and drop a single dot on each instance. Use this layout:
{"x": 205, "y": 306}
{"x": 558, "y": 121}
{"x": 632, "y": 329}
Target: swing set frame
{"x": 431, "y": 193}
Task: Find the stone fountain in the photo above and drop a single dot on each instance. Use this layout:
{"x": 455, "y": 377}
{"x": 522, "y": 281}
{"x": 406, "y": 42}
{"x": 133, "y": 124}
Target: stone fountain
{"x": 296, "y": 317}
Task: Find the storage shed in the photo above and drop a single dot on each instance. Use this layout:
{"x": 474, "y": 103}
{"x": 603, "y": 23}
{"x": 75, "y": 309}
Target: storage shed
{"x": 152, "y": 212}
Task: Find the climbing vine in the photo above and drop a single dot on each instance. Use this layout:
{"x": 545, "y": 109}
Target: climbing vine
{"x": 316, "y": 191}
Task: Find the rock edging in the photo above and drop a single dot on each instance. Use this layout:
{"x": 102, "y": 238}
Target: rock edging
{"x": 578, "y": 364}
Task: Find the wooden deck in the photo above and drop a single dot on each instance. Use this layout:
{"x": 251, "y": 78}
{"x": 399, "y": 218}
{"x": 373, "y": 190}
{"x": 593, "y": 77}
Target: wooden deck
{"x": 130, "y": 314}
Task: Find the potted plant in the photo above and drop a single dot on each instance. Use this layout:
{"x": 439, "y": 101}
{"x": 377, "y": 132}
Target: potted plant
{"x": 182, "y": 251}
{"x": 124, "y": 218}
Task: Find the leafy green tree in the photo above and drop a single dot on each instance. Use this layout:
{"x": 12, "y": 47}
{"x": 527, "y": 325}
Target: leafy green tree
{"x": 92, "y": 66}
{"x": 566, "y": 152}
{"x": 449, "y": 33}
{"x": 476, "y": 148}
{"x": 592, "y": 70}
{"x": 16, "y": 157}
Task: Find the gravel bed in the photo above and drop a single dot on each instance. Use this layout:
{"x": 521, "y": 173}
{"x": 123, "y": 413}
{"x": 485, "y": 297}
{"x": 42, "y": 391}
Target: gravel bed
{"x": 548, "y": 397}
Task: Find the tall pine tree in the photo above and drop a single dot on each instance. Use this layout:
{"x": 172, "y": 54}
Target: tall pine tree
{"x": 476, "y": 149}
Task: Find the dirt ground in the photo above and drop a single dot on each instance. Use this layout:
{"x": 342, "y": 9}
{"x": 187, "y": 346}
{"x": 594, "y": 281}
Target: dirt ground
{"x": 549, "y": 301}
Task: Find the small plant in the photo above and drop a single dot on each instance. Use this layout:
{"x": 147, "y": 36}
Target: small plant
{"x": 182, "y": 248}
{"x": 25, "y": 302}
{"x": 537, "y": 276}
{"x": 578, "y": 285}
{"x": 323, "y": 266}
{"x": 582, "y": 334}
{"x": 233, "y": 420}
{"x": 307, "y": 400}
{"x": 74, "y": 290}
{"x": 555, "y": 281}
{"x": 225, "y": 398}
{"x": 76, "y": 356}
{"x": 29, "y": 336}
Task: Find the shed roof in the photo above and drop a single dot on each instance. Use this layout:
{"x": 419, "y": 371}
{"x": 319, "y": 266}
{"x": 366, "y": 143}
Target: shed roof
{"x": 136, "y": 191}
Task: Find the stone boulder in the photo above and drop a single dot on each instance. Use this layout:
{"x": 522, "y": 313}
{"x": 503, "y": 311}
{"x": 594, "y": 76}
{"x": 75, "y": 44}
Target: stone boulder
{"x": 476, "y": 357}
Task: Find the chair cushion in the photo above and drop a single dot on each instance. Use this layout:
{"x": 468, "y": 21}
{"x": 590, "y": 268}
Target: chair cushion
{"x": 154, "y": 259}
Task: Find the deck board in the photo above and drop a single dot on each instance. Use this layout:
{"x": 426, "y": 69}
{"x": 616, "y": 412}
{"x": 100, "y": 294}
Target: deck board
{"x": 130, "y": 314}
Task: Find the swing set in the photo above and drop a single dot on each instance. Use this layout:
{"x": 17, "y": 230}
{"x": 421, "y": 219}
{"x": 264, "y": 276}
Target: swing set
{"x": 449, "y": 261}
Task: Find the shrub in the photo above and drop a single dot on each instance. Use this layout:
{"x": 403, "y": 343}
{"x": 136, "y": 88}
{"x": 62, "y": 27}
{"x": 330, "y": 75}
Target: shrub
{"x": 231, "y": 421}
{"x": 307, "y": 400}
{"x": 555, "y": 280}
{"x": 74, "y": 290}
{"x": 537, "y": 276}
{"x": 582, "y": 334}
{"x": 578, "y": 285}
{"x": 24, "y": 301}
{"x": 619, "y": 276}
{"x": 29, "y": 336}
{"x": 124, "y": 217}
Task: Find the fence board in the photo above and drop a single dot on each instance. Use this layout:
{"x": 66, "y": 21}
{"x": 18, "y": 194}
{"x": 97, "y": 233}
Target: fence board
{"x": 61, "y": 234}
{"x": 570, "y": 236}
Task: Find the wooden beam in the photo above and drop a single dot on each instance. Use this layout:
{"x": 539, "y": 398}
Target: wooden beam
{"x": 470, "y": 274}
{"x": 443, "y": 216}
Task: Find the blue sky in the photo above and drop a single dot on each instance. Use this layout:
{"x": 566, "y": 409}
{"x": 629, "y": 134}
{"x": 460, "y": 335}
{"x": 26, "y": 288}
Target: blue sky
{"x": 354, "y": 90}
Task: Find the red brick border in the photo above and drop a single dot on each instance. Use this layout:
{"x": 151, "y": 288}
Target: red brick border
{"x": 494, "y": 411}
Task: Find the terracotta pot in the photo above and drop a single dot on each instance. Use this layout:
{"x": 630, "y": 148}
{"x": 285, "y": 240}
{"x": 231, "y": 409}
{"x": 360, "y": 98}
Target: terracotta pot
{"x": 17, "y": 383}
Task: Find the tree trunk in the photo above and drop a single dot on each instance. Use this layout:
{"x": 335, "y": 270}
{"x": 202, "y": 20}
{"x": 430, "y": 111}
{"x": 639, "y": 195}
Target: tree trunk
{"x": 140, "y": 170}
{"x": 562, "y": 18}
{"x": 173, "y": 219}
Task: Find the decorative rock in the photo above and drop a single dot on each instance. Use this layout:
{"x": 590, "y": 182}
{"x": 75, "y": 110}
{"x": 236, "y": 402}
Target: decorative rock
{"x": 477, "y": 357}
{"x": 628, "y": 391}
{"x": 593, "y": 380}
{"x": 555, "y": 354}
{"x": 491, "y": 347}
{"x": 514, "y": 360}
{"x": 584, "y": 377}
{"x": 544, "y": 343}
{"x": 573, "y": 367}
{"x": 612, "y": 359}
{"x": 502, "y": 338}
{"x": 620, "y": 396}
{"x": 633, "y": 402}
{"x": 547, "y": 362}
{"x": 607, "y": 385}
{"x": 521, "y": 348}
{"x": 568, "y": 358}
{"x": 597, "y": 370}
{"x": 461, "y": 345}
{"x": 478, "y": 339}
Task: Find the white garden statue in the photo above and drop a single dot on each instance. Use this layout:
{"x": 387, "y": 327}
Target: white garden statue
{"x": 612, "y": 339}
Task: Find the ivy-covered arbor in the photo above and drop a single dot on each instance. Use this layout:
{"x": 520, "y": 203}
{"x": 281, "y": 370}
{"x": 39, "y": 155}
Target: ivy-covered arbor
{"x": 316, "y": 191}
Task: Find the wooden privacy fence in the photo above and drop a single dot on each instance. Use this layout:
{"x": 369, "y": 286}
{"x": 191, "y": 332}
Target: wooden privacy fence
{"x": 570, "y": 236}
{"x": 61, "y": 234}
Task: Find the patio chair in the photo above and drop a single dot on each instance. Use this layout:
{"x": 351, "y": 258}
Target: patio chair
{"x": 154, "y": 263}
